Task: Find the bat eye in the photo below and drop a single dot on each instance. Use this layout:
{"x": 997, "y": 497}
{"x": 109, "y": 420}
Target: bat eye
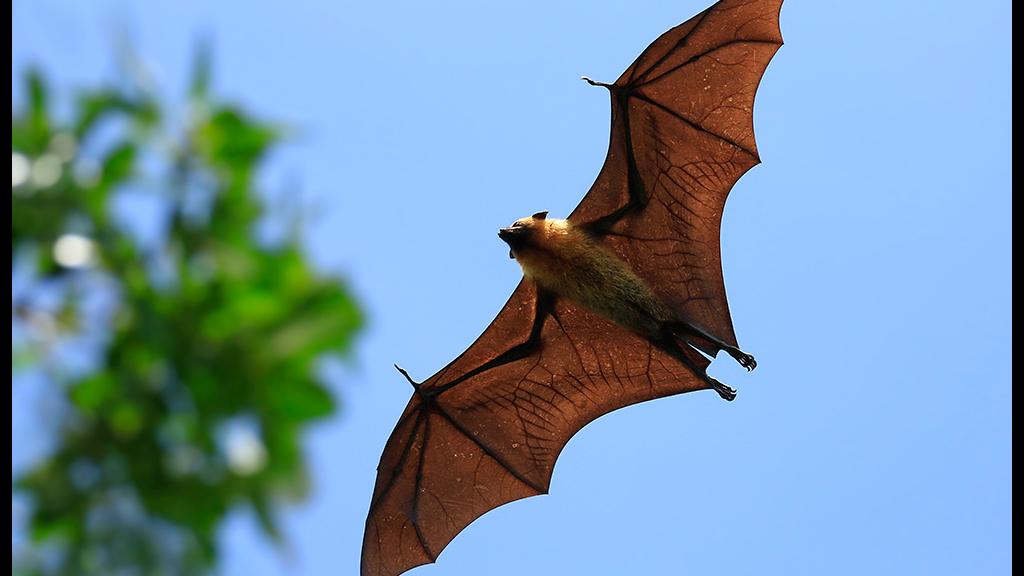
{"x": 517, "y": 224}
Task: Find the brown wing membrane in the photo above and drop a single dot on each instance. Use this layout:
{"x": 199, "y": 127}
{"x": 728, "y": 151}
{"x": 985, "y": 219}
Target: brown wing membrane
{"x": 682, "y": 135}
{"x": 494, "y": 437}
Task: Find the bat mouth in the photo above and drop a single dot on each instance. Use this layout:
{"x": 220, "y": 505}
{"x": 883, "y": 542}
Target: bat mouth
{"x": 513, "y": 235}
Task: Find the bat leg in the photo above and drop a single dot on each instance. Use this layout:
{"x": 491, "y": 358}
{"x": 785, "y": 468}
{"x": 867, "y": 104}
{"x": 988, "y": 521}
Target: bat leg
{"x": 682, "y": 351}
{"x": 744, "y": 359}
{"x": 727, "y": 392}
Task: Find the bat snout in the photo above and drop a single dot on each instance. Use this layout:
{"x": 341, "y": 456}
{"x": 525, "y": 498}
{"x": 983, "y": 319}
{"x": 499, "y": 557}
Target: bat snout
{"x": 515, "y": 237}
{"x": 512, "y": 235}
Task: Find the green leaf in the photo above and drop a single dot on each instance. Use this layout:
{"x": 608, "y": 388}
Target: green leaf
{"x": 119, "y": 163}
{"x": 58, "y": 528}
{"x": 39, "y": 121}
{"x": 232, "y": 141}
{"x": 126, "y": 419}
{"x": 94, "y": 107}
{"x": 299, "y": 400}
{"x": 93, "y": 392}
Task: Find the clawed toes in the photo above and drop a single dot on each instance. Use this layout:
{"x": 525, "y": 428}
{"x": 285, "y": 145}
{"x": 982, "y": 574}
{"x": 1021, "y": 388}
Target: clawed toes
{"x": 747, "y": 361}
{"x": 726, "y": 392}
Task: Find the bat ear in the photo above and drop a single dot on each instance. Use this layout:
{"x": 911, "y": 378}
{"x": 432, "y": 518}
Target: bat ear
{"x": 540, "y": 215}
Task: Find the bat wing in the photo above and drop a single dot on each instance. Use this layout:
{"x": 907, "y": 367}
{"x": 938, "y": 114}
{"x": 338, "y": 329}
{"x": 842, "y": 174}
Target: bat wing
{"x": 682, "y": 135}
{"x": 494, "y": 437}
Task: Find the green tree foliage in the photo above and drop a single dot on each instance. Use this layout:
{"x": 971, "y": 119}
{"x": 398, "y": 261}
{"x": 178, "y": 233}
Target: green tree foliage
{"x": 203, "y": 372}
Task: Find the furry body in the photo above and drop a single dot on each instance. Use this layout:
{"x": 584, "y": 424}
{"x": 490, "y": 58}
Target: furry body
{"x": 570, "y": 263}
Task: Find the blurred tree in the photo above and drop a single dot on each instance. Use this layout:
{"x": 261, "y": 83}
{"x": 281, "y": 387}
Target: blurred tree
{"x": 204, "y": 341}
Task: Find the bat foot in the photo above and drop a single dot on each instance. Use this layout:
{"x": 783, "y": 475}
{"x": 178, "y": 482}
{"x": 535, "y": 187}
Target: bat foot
{"x": 726, "y": 392}
{"x": 745, "y": 360}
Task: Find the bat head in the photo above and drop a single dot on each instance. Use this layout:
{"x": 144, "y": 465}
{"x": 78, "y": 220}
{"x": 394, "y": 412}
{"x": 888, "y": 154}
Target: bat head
{"x": 521, "y": 232}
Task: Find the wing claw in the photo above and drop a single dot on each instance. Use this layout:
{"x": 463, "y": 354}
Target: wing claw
{"x": 596, "y": 83}
{"x": 414, "y": 383}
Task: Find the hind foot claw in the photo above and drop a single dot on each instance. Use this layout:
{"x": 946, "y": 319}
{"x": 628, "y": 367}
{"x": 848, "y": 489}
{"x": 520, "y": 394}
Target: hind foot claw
{"x": 726, "y": 392}
{"x": 745, "y": 360}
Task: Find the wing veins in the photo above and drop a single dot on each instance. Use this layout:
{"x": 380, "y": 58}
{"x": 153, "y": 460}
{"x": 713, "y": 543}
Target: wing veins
{"x": 696, "y": 57}
{"x": 401, "y": 461}
{"x": 679, "y": 43}
{"x": 645, "y": 98}
{"x": 416, "y": 494}
{"x": 491, "y": 452}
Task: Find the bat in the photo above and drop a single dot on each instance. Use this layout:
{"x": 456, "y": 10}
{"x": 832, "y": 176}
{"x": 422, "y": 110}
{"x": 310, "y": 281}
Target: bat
{"x": 621, "y": 302}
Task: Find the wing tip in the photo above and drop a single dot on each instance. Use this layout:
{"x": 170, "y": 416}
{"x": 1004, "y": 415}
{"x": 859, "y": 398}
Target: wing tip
{"x": 382, "y": 571}
{"x": 371, "y": 566}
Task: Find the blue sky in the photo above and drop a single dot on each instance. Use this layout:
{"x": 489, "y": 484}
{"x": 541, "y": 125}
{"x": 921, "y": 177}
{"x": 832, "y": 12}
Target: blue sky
{"x": 867, "y": 262}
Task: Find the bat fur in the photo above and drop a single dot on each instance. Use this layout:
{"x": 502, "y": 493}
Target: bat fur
{"x": 570, "y": 263}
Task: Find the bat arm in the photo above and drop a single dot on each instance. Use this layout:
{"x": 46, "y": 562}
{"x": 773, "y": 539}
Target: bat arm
{"x": 545, "y": 304}
{"x": 637, "y": 193}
